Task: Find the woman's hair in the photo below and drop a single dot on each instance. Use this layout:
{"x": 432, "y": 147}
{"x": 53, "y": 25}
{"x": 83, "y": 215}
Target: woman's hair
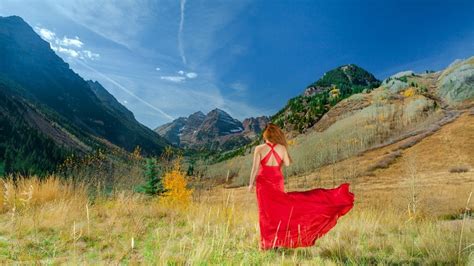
{"x": 274, "y": 134}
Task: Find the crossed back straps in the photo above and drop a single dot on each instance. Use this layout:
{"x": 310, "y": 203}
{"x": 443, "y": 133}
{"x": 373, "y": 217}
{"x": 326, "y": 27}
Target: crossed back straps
{"x": 269, "y": 154}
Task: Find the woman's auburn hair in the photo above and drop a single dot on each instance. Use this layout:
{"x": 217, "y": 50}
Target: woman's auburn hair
{"x": 274, "y": 134}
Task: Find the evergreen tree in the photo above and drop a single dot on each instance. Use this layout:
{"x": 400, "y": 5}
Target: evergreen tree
{"x": 154, "y": 182}
{"x": 190, "y": 171}
{"x": 2, "y": 169}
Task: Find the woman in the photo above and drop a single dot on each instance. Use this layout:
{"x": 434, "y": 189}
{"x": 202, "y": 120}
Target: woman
{"x": 291, "y": 219}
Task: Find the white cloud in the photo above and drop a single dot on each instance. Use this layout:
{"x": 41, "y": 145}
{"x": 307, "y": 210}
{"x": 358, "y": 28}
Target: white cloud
{"x": 125, "y": 101}
{"x": 46, "y": 34}
{"x": 173, "y": 78}
{"x": 90, "y": 54}
{"x": 191, "y": 75}
{"x": 70, "y": 47}
{"x": 157, "y": 69}
{"x": 106, "y": 18}
{"x": 238, "y": 87}
{"x": 182, "y": 76}
{"x": 76, "y": 42}
{"x": 180, "y": 32}
{"x": 67, "y": 51}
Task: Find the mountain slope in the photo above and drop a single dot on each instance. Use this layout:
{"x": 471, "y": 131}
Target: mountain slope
{"x": 305, "y": 110}
{"x": 456, "y": 83}
{"x": 29, "y": 61}
{"x": 109, "y": 101}
{"x": 253, "y": 126}
{"x": 75, "y": 114}
{"x": 29, "y": 142}
{"x": 403, "y": 112}
{"x": 172, "y": 131}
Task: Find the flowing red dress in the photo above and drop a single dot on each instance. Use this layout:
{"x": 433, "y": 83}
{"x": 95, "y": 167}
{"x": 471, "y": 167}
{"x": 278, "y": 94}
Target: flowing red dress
{"x": 295, "y": 219}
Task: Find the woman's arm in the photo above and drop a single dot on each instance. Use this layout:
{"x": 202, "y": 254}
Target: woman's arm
{"x": 255, "y": 166}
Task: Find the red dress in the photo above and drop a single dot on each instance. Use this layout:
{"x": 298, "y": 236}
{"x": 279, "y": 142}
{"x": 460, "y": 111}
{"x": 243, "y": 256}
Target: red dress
{"x": 295, "y": 219}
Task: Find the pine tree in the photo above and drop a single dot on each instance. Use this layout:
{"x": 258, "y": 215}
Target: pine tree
{"x": 190, "y": 171}
{"x": 2, "y": 169}
{"x": 154, "y": 182}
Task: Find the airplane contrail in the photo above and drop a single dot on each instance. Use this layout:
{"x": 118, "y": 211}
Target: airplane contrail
{"x": 126, "y": 90}
{"x": 180, "y": 32}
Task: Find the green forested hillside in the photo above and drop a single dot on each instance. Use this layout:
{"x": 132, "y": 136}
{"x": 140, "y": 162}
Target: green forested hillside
{"x": 48, "y": 108}
{"x": 23, "y": 148}
{"x": 303, "y": 111}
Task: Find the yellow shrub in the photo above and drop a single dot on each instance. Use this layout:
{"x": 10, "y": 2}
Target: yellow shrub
{"x": 291, "y": 142}
{"x": 334, "y": 92}
{"x": 174, "y": 181}
{"x": 409, "y": 92}
{"x": 137, "y": 153}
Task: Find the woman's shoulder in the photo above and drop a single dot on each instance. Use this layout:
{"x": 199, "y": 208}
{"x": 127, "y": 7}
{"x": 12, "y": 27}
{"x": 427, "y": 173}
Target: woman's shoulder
{"x": 259, "y": 147}
{"x": 264, "y": 145}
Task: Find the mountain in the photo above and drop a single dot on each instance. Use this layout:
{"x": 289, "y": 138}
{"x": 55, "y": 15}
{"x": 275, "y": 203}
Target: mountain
{"x": 43, "y": 94}
{"x": 172, "y": 130}
{"x": 253, "y": 126}
{"x": 303, "y": 111}
{"x": 193, "y": 122}
{"x": 215, "y": 131}
{"x": 218, "y": 123}
{"x": 109, "y": 101}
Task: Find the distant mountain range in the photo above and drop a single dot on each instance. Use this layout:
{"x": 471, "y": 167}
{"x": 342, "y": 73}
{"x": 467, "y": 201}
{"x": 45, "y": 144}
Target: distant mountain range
{"x": 48, "y": 110}
{"x": 215, "y": 131}
{"x": 299, "y": 115}
{"x": 219, "y": 131}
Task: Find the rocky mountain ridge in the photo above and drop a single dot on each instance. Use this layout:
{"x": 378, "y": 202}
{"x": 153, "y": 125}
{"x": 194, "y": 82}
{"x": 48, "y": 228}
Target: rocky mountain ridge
{"x": 216, "y": 130}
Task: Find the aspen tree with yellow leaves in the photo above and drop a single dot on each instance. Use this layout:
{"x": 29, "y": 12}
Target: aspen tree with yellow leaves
{"x": 175, "y": 184}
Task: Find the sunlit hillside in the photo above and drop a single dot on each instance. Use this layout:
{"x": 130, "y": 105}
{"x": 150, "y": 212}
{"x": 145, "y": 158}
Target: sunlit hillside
{"x": 407, "y": 107}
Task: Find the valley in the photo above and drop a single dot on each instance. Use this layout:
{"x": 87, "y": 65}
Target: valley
{"x": 82, "y": 181}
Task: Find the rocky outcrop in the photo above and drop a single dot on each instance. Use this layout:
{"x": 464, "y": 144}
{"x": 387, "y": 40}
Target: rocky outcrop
{"x": 456, "y": 83}
{"x": 253, "y": 126}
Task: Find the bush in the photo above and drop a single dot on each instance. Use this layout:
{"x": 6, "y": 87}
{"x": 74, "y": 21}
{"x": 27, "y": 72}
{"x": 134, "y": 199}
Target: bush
{"x": 459, "y": 169}
{"x": 176, "y": 192}
{"x": 409, "y": 92}
{"x": 152, "y": 173}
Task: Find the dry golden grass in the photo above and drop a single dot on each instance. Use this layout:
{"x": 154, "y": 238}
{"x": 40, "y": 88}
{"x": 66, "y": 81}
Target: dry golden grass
{"x": 431, "y": 159}
{"x": 58, "y": 223}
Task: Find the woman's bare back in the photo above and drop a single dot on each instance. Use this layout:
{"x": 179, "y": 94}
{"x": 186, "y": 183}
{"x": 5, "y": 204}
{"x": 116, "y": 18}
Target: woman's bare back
{"x": 264, "y": 149}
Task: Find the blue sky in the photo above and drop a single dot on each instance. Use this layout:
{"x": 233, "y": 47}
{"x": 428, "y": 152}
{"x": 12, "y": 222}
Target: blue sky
{"x": 165, "y": 59}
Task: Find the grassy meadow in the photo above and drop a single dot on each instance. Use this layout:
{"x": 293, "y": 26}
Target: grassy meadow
{"x": 53, "y": 221}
